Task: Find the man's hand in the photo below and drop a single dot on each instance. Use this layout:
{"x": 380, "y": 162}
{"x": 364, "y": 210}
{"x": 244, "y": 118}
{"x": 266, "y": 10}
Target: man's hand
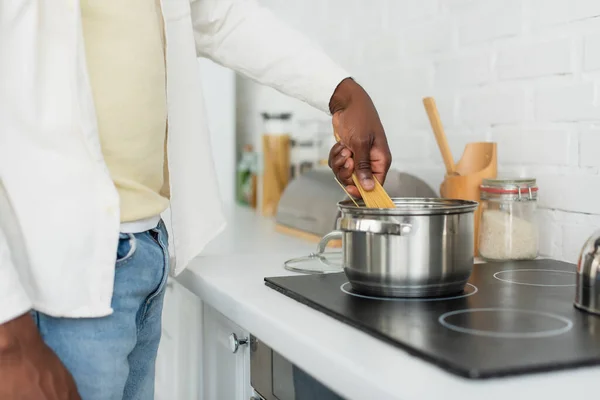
{"x": 356, "y": 121}
{"x": 29, "y": 370}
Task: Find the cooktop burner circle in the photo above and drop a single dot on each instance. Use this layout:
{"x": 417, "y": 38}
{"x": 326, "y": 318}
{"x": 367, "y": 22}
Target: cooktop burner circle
{"x": 470, "y": 290}
{"x": 537, "y": 277}
{"x": 506, "y": 323}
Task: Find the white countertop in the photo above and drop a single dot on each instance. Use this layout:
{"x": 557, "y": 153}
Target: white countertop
{"x": 229, "y": 276}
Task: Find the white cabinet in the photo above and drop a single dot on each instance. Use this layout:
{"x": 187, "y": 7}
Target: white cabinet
{"x": 166, "y": 367}
{"x": 195, "y": 358}
{"x": 226, "y": 373}
{"x": 179, "y": 360}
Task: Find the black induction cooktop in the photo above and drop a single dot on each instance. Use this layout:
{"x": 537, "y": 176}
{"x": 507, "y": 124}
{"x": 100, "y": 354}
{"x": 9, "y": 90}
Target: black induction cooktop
{"x": 513, "y": 318}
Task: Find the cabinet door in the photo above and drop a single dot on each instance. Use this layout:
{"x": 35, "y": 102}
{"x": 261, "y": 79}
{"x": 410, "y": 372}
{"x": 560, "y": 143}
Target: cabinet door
{"x": 189, "y": 344}
{"x": 178, "y": 364}
{"x": 166, "y": 359}
{"x": 166, "y": 368}
{"x": 226, "y": 373}
{"x": 167, "y": 363}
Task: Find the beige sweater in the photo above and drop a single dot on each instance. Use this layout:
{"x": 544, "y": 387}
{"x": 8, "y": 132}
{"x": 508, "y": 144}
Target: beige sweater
{"x": 126, "y": 62}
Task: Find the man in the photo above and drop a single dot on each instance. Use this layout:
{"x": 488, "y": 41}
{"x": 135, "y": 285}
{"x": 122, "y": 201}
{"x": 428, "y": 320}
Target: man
{"x": 102, "y": 131}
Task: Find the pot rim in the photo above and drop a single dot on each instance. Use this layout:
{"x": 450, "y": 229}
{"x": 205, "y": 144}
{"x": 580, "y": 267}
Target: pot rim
{"x": 412, "y": 206}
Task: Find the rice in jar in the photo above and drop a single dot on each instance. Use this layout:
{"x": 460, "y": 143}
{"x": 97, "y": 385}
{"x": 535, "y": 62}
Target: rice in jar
{"x": 508, "y": 226}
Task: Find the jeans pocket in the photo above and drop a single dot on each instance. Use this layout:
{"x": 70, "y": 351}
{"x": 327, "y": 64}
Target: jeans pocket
{"x": 126, "y": 248}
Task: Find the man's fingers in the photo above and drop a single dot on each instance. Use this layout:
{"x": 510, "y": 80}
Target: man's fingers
{"x": 341, "y": 163}
{"x": 335, "y": 150}
{"x": 362, "y": 161}
{"x": 340, "y": 159}
{"x": 353, "y": 191}
{"x": 345, "y": 172}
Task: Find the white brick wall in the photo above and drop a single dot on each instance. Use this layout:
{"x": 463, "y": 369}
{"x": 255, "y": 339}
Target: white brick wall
{"x": 543, "y": 145}
{"x": 429, "y": 37}
{"x": 556, "y": 12}
{"x": 409, "y": 10}
{"x": 589, "y": 146}
{"x": 534, "y": 60}
{"x": 464, "y": 70}
{"x": 524, "y": 73}
{"x": 485, "y": 20}
{"x": 495, "y": 105}
{"x": 570, "y": 102}
{"x": 592, "y": 53}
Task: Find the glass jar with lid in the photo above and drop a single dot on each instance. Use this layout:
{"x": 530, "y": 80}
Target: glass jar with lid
{"x": 508, "y": 226}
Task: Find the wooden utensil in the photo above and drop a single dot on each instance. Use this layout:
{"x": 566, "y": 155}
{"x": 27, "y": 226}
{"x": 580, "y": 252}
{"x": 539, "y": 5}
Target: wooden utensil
{"x": 440, "y": 135}
{"x": 276, "y": 167}
{"x": 478, "y": 162}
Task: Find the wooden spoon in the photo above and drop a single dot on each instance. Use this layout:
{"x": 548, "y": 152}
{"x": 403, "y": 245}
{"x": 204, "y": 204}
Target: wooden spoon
{"x": 440, "y": 135}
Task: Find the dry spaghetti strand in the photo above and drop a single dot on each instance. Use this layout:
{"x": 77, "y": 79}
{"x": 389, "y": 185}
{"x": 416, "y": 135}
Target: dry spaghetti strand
{"x": 347, "y": 194}
{"x": 376, "y": 198}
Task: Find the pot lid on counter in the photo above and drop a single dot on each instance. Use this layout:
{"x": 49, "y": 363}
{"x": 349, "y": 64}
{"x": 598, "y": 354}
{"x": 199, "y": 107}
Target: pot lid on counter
{"x": 316, "y": 263}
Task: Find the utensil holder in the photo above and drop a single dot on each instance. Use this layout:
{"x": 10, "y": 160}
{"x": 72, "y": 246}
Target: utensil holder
{"x": 478, "y": 162}
{"x": 276, "y": 171}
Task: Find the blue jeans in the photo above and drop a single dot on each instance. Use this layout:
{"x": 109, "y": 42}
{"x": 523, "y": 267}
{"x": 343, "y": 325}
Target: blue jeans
{"x": 114, "y": 357}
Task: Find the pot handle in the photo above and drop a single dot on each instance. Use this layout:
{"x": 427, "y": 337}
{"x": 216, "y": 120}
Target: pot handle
{"x": 376, "y": 226}
{"x": 333, "y": 235}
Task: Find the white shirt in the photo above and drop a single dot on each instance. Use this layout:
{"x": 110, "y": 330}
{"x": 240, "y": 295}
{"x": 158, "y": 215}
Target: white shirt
{"x": 51, "y": 164}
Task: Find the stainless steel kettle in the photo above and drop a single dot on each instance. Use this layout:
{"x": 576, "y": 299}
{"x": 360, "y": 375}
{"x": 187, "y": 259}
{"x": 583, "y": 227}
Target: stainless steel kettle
{"x": 587, "y": 296}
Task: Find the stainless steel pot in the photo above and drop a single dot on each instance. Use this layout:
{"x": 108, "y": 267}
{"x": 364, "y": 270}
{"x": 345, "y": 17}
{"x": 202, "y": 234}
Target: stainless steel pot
{"x": 421, "y": 248}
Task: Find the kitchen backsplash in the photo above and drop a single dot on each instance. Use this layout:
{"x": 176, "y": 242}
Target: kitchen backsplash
{"x": 523, "y": 73}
